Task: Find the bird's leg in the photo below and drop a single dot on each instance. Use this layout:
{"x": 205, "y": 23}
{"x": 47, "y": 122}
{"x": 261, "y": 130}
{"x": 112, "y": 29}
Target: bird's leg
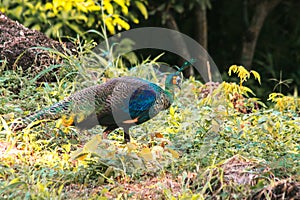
{"x": 126, "y": 135}
{"x": 106, "y": 132}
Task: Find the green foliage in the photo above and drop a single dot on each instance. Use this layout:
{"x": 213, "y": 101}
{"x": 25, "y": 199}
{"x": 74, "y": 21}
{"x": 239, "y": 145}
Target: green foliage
{"x": 162, "y": 9}
{"x": 281, "y": 82}
{"x": 67, "y": 18}
{"x": 191, "y": 147}
{"x": 285, "y": 103}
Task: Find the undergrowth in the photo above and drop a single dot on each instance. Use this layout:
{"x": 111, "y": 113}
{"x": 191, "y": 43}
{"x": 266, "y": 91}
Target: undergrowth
{"x": 217, "y": 141}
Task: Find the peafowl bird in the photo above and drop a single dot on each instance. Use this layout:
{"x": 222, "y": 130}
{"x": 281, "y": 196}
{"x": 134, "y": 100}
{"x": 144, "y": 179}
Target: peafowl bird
{"x": 120, "y": 102}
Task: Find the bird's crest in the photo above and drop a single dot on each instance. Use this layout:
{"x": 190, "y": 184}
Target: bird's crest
{"x": 185, "y": 65}
{"x": 175, "y": 78}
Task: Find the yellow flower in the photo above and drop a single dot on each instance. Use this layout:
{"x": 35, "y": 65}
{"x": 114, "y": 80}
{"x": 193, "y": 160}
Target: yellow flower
{"x": 121, "y": 23}
{"x": 108, "y": 7}
{"x": 109, "y": 25}
{"x": 122, "y": 3}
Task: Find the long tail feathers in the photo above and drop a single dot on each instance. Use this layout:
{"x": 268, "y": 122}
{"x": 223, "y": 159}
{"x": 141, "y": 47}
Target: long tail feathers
{"x": 51, "y": 113}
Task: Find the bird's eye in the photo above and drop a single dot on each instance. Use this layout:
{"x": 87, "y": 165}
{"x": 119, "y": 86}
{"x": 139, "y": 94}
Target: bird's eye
{"x": 178, "y": 80}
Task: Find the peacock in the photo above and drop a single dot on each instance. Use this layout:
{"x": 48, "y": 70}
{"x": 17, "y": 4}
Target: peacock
{"x": 120, "y": 102}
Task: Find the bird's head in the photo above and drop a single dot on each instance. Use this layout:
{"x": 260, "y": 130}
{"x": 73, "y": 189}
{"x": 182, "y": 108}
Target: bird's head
{"x": 175, "y": 78}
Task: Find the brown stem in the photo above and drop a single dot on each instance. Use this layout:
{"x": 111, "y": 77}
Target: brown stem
{"x": 201, "y": 35}
{"x": 179, "y": 42}
{"x": 201, "y": 26}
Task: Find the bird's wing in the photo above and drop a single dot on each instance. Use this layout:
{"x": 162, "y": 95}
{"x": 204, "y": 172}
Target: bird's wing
{"x": 141, "y": 101}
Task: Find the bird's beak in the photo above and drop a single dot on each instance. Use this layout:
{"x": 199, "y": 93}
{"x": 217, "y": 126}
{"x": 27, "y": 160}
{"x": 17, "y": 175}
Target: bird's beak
{"x": 178, "y": 81}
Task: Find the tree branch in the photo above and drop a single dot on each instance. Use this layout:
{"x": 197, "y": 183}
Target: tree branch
{"x": 262, "y": 9}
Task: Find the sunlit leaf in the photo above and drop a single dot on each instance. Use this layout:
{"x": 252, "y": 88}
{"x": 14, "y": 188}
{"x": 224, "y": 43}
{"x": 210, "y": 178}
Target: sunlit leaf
{"x": 15, "y": 183}
{"x": 232, "y": 68}
{"x": 174, "y": 153}
{"x": 5, "y": 125}
{"x": 92, "y": 145}
{"x": 122, "y": 23}
{"x": 256, "y": 75}
{"x": 122, "y": 3}
{"x": 131, "y": 146}
{"x": 78, "y": 154}
{"x": 67, "y": 147}
{"x": 172, "y": 110}
{"x": 109, "y": 24}
{"x": 247, "y": 90}
{"x": 108, "y": 7}
{"x": 146, "y": 154}
{"x": 142, "y": 8}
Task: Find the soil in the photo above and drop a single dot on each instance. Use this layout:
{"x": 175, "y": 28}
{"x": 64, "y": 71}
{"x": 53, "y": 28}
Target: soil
{"x": 20, "y": 46}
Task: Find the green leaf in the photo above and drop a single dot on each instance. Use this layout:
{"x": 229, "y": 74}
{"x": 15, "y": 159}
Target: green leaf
{"x": 36, "y": 27}
{"x": 91, "y": 21}
{"x": 208, "y": 4}
{"x": 29, "y": 21}
{"x": 18, "y": 11}
{"x": 179, "y": 8}
{"x": 142, "y": 8}
{"x": 15, "y": 183}
{"x": 79, "y": 17}
{"x": 146, "y": 154}
{"x": 45, "y": 71}
{"x": 57, "y": 27}
{"x": 5, "y": 126}
{"x": 75, "y": 28}
{"x": 78, "y": 154}
{"x": 263, "y": 119}
{"x": 92, "y": 145}
{"x": 133, "y": 17}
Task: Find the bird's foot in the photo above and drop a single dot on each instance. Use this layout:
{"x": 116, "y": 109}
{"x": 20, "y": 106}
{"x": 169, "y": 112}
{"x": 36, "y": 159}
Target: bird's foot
{"x": 126, "y": 138}
{"x": 105, "y": 134}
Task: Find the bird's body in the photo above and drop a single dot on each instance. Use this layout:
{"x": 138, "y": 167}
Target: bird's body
{"x": 120, "y": 102}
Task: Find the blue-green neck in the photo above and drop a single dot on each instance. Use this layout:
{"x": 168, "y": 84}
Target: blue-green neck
{"x": 170, "y": 87}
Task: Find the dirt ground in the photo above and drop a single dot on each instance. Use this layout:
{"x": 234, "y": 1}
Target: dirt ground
{"x": 20, "y": 46}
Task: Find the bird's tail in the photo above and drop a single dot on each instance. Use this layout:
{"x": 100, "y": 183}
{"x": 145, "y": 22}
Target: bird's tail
{"x": 51, "y": 113}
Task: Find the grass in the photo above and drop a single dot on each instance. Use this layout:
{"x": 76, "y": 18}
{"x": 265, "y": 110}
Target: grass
{"x": 215, "y": 145}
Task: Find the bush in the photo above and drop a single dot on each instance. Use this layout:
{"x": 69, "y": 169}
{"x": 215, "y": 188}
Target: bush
{"x": 68, "y": 18}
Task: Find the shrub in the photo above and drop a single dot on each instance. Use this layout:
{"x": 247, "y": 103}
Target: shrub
{"x": 59, "y": 18}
